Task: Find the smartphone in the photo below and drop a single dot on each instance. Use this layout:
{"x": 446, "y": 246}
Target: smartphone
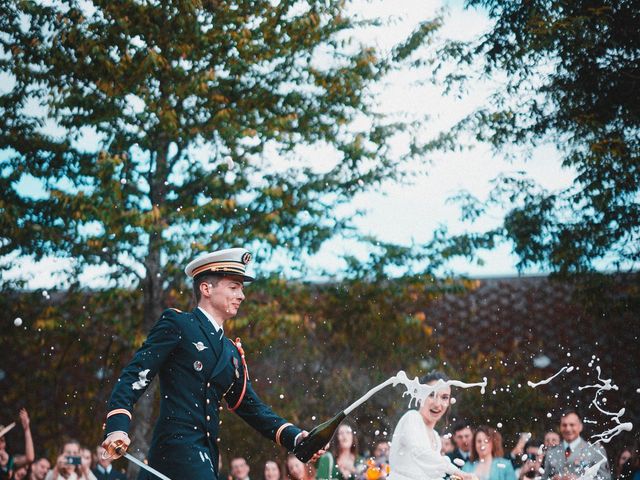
{"x": 73, "y": 460}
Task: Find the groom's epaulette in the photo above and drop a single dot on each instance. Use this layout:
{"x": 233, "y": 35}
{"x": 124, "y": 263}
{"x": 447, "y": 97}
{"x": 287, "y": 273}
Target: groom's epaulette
{"x": 175, "y": 313}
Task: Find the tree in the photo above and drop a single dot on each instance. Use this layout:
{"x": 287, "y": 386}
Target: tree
{"x": 146, "y": 126}
{"x": 312, "y": 350}
{"x": 60, "y": 362}
{"x": 571, "y": 76}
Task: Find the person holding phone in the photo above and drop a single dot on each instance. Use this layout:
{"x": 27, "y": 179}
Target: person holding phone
{"x": 516, "y": 453}
{"x": 531, "y": 468}
{"x": 69, "y": 465}
{"x": 10, "y": 463}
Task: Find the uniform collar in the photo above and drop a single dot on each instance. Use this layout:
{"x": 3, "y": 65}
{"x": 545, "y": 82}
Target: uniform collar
{"x": 102, "y": 469}
{"x": 211, "y": 319}
{"x": 573, "y": 445}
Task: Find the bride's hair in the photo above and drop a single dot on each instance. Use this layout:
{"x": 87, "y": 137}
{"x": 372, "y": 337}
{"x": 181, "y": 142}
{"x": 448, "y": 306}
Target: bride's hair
{"x": 434, "y": 376}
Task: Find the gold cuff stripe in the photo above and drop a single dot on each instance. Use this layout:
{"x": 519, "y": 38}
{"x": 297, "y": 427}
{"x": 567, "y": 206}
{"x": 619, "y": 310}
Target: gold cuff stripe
{"x": 236, "y": 271}
{"x": 235, "y": 267}
{"x": 118, "y": 411}
{"x": 279, "y": 432}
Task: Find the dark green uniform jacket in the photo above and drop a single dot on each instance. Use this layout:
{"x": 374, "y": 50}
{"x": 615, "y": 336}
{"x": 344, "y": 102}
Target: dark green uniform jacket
{"x": 197, "y": 370}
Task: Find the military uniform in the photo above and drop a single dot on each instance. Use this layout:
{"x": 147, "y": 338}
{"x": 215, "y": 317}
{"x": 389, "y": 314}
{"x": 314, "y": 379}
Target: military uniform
{"x": 578, "y": 460}
{"x": 198, "y": 368}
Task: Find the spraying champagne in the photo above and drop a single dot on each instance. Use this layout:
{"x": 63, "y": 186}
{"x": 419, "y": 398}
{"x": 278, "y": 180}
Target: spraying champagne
{"x": 321, "y": 435}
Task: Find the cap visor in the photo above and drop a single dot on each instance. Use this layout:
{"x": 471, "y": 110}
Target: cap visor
{"x": 245, "y": 278}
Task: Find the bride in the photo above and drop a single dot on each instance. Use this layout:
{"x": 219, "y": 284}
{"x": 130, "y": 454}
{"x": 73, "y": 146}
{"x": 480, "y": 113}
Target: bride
{"x": 415, "y": 447}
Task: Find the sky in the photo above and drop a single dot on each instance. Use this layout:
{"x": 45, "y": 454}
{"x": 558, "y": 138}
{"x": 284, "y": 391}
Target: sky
{"x": 407, "y": 214}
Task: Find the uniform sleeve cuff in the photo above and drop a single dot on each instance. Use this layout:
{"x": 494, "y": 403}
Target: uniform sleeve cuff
{"x": 288, "y": 436}
{"x": 118, "y": 420}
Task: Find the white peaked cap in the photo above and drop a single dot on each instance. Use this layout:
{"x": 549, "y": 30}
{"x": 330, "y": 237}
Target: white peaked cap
{"x": 230, "y": 261}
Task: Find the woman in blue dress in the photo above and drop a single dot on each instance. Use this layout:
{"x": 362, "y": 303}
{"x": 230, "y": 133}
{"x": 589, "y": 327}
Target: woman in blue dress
{"x": 487, "y": 461}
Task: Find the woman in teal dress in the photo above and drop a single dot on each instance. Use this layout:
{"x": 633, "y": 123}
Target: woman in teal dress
{"x": 487, "y": 461}
{"x": 342, "y": 462}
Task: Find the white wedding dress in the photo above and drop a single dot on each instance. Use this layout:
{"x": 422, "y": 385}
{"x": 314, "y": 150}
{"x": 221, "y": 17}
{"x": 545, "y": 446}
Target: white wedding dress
{"x": 413, "y": 455}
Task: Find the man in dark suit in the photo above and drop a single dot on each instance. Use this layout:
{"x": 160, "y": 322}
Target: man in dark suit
{"x": 104, "y": 470}
{"x": 198, "y": 367}
{"x": 462, "y": 437}
{"x": 574, "y": 457}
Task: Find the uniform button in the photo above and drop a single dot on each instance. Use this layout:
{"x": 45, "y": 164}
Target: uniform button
{"x": 220, "y": 408}
{"x": 208, "y": 434}
{"x": 208, "y": 418}
{"x": 208, "y": 401}
{"x": 208, "y": 384}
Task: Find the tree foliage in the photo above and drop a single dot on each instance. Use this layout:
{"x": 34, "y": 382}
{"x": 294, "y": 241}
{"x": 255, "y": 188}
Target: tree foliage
{"x": 60, "y": 362}
{"x": 151, "y": 82}
{"x": 568, "y": 72}
{"x": 155, "y": 130}
{"x": 313, "y": 349}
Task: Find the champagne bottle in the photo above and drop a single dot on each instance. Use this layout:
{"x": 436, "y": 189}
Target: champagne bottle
{"x": 318, "y": 438}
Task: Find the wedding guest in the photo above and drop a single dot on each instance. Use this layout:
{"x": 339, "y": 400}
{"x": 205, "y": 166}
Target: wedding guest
{"x": 487, "y": 456}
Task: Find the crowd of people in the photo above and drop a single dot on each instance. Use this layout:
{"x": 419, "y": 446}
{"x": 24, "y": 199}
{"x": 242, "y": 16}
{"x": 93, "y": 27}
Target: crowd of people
{"x": 199, "y": 365}
{"x": 476, "y": 450}
{"x": 555, "y": 456}
{"x": 73, "y": 462}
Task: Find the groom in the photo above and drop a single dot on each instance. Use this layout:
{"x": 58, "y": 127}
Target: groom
{"x": 198, "y": 368}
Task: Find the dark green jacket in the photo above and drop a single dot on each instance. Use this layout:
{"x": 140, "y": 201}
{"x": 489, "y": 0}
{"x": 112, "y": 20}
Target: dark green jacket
{"x": 197, "y": 370}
